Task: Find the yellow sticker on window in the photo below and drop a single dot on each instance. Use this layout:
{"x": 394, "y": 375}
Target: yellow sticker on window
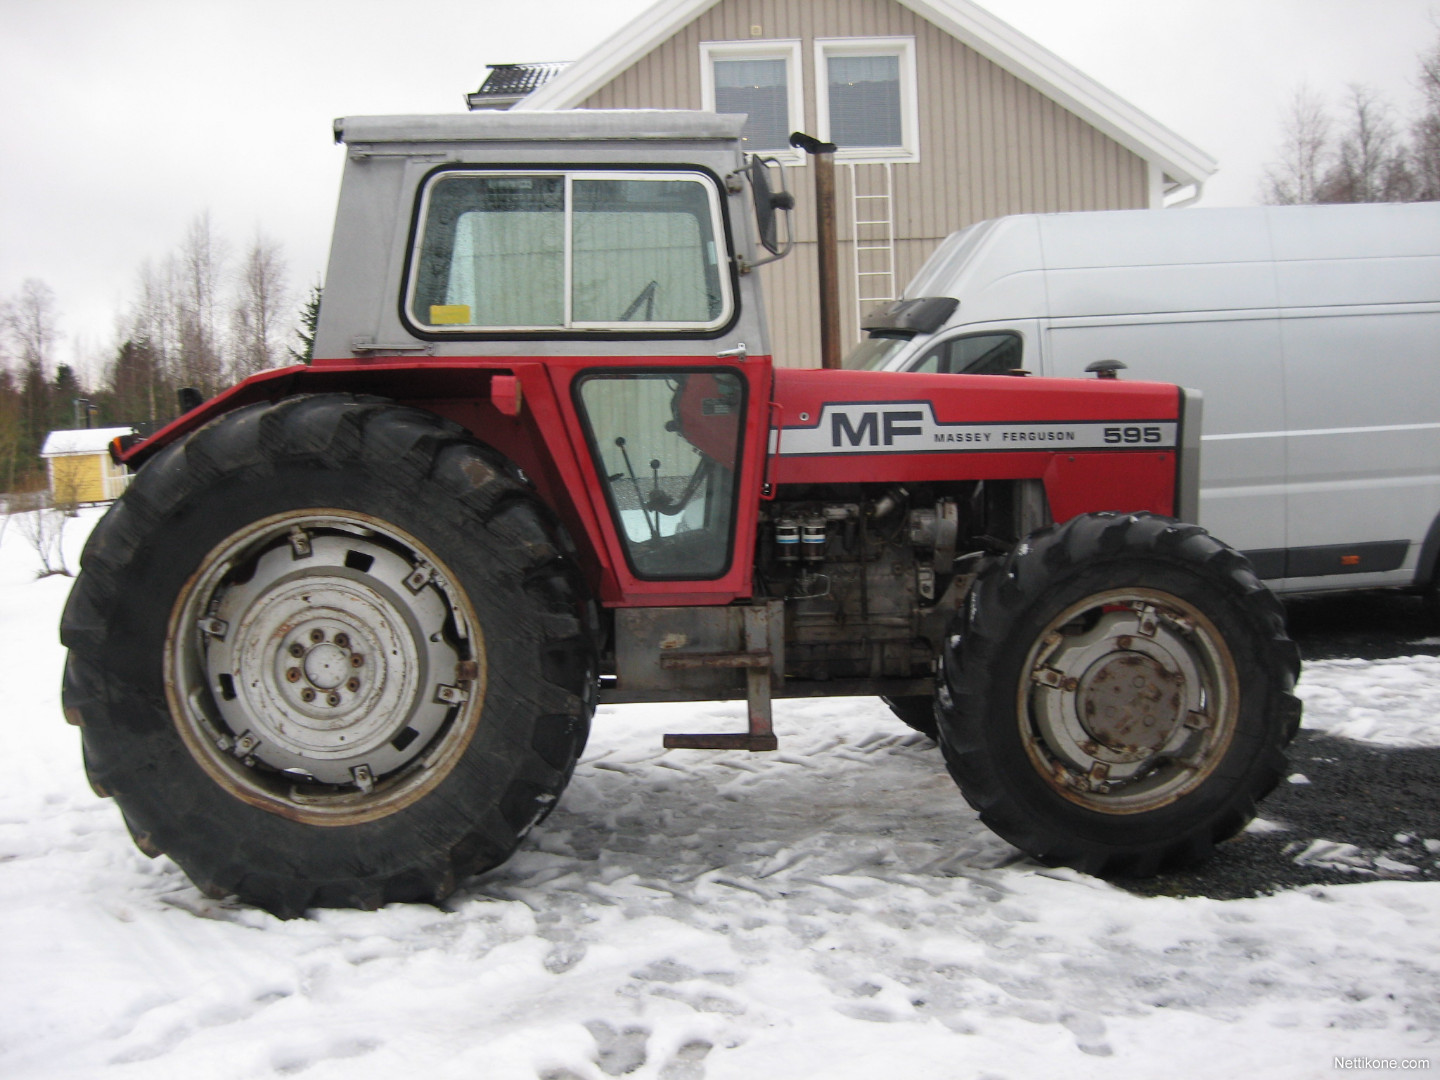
{"x": 449, "y": 314}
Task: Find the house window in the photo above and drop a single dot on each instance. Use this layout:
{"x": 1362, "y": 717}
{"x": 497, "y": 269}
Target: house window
{"x": 762, "y": 80}
{"x": 866, "y": 97}
{"x": 501, "y": 251}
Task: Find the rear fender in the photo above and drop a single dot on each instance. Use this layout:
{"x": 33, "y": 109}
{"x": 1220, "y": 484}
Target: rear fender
{"x": 508, "y": 405}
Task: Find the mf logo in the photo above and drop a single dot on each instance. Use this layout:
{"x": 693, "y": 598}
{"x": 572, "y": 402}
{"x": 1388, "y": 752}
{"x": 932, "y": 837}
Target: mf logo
{"x": 874, "y": 427}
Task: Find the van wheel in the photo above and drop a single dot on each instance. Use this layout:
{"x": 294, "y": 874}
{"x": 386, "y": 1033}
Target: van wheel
{"x": 1116, "y": 694}
{"x": 327, "y": 652}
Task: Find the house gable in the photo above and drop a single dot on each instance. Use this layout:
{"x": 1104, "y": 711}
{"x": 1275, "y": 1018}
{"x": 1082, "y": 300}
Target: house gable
{"x": 989, "y": 143}
{"x": 1169, "y": 156}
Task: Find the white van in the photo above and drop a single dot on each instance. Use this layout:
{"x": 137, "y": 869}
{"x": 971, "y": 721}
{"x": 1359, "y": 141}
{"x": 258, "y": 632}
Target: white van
{"x": 1312, "y": 331}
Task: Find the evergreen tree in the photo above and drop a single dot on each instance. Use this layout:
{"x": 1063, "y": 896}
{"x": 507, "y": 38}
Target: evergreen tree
{"x": 10, "y": 430}
{"x": 136, "y": 390}
{"x": 65, "y": 391}
{"x": 309, "y": 319}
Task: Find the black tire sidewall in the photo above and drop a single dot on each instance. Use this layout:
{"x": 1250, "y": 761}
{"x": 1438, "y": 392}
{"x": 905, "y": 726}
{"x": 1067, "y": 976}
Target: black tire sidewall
{"x": 982, "y": 733}
{"x": 216, "y": 836}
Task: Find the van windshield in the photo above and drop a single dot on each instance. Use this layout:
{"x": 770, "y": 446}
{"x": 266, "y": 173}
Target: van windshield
{"x": 872, "y": 353}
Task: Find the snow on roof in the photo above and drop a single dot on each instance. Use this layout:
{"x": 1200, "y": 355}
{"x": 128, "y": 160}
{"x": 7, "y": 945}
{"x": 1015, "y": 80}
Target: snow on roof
{"x": 81, "y": 441}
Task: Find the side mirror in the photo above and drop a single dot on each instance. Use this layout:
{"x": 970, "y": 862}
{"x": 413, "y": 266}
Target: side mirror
{"x": 767, "y": 201}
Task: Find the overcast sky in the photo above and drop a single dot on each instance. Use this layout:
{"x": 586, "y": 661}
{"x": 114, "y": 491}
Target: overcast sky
{"x": 121, "y": 120}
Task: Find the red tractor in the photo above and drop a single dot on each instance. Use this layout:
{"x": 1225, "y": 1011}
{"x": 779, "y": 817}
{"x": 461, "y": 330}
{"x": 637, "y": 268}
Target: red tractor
{"x": 340, "y": 642}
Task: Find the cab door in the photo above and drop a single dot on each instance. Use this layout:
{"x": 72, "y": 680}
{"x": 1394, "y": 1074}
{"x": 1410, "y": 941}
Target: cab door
{"x": 673, "y": 450}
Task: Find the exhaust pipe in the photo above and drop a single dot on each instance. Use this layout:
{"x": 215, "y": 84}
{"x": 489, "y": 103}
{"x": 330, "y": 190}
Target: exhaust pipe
{"x": 827, "y": 244}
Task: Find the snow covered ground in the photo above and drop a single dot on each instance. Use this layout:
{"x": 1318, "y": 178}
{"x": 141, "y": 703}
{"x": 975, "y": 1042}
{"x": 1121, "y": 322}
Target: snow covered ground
{"x": 834, "y": 910}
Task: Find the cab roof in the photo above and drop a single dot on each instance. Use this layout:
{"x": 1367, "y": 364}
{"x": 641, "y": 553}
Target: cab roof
{"x": 570, "y": 125}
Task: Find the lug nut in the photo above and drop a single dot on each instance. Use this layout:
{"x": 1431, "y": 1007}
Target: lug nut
{"x": 343, "y": 640}
{"x": 307, "y": 695}
{"x": 356, "y": 660}
{"x": 293, "y": 674}
{"x": 332, "y": 700}
{"x": 352, "y": 685}
{"x": 297, "y": 650}
{"x": 317, "y": 635}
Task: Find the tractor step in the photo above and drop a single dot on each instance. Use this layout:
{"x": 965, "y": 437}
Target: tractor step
{"x": 761, "y": 621}
{"x": 755, "y": 743}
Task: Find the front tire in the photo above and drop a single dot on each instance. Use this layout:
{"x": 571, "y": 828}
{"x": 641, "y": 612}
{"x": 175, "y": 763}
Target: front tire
{"x": 1116, "y": 694}
{"x": 328, "y": 652}
{"x": 915, "y": 712}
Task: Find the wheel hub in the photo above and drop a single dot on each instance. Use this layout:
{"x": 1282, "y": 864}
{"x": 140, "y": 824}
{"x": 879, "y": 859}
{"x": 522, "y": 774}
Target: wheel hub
{"x": 306, "y": 642}
{"x": 327, "y": 665}
{"x": 325, "y": 657}
{"x": 1130, "y": 703}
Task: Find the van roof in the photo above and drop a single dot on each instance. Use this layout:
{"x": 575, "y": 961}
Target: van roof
{"x": 1238, "y": 234}
{"x": 1075, "y": 264}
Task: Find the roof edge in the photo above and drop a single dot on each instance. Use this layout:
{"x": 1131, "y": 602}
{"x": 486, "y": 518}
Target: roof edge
{"x": 613, "y": 55}
{"x": 1031, "y": 62}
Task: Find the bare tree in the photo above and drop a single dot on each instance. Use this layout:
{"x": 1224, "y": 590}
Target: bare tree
{"x": 1370, "y": 163}
{"x": 43, "y": 527}
{"x": 1296, "y": 178}
{"x": 198, "y": 265}
{"x": 31, "y": 323}
{"x": 31, "y": 320}
{"x": 1425, "y": 136}
{"x": 258, "y": 323}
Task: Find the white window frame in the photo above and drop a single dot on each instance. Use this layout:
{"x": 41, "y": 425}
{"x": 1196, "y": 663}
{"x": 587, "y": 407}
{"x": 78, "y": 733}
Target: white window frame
{"x": 786, "y": 49}
{"x": 904, "y": 48}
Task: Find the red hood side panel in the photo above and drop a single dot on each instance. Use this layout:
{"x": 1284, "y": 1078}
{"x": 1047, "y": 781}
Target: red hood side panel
{"x": 1097, "y": 444}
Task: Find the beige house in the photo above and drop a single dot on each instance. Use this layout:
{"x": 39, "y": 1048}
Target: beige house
{"x": 79, "y": 466}
{"x": 944, "y": 116}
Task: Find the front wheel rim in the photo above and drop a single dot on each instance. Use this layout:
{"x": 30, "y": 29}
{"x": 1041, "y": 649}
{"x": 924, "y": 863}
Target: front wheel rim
{"x": 324, "y": 665}
{"x": 1128, "y": 701}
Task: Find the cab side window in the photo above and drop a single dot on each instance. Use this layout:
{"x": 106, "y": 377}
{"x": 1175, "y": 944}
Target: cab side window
{"x": 975, "y": 354}
{"x": 667, "y": 446}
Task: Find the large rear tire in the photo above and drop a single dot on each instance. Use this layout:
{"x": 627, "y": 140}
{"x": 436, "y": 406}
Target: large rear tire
{"x": 1116, "y": 694}
{"x": 329, "y": 652}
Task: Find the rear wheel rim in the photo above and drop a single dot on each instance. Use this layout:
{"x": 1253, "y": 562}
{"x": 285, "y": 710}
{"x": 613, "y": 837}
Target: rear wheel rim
{"x": 323, "y": 665}
{"x": 1128, "y": 701}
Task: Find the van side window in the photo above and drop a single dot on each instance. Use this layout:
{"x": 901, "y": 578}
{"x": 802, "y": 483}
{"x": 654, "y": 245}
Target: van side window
{"x": 976, "y": 354}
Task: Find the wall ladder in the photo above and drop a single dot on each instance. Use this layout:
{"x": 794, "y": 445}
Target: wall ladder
{"x": 872, "y": 225}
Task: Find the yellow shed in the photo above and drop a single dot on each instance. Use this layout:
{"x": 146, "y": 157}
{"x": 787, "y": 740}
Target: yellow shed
{"x": 79, "y": 466}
